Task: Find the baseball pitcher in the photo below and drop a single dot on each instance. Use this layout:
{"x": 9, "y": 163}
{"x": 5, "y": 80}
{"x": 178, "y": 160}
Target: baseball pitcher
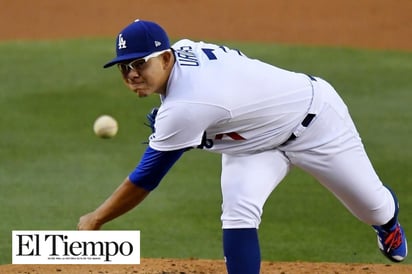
{"x": 262, "y": 119}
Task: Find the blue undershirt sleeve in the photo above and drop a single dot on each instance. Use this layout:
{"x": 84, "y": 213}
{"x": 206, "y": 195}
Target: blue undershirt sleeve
{"x": 153, "y": 167}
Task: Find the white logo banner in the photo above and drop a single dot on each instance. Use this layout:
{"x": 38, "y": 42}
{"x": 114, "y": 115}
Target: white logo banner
{"x": 75, "y": 247}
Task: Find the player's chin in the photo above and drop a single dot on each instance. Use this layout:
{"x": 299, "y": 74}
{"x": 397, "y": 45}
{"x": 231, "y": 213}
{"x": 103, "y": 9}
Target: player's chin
{"x": 144, "y": 92}
{"x": 141, "y": 93}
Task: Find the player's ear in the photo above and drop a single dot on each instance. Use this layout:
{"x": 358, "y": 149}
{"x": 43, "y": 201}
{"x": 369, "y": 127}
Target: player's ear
{"x": 168, "y": 59}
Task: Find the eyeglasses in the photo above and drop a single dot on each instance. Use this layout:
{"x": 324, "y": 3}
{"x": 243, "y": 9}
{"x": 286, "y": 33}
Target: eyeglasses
{"x": 137, "y": 64}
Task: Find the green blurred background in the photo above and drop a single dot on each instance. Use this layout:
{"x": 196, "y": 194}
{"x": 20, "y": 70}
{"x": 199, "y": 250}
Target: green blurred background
{"x": 53, "y": 169}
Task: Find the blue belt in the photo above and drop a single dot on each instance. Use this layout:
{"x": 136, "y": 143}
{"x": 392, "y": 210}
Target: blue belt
{"x": 305, "y": 123}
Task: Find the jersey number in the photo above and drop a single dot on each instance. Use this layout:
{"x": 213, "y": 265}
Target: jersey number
{"x": 209, "y": 52}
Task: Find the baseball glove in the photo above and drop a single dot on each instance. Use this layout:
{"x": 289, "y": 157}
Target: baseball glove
{"x": 151, "y": 118}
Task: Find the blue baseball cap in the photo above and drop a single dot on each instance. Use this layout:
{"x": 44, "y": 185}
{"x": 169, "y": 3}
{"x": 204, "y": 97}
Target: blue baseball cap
{"x": 139, "y": 39}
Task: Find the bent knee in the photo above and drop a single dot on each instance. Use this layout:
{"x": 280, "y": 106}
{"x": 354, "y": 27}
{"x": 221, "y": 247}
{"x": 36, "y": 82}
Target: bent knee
{"x": 240, "y": 215}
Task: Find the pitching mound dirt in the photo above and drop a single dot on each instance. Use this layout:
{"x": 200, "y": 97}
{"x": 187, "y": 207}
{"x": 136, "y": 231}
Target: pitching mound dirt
{"x": 197, "y": 266}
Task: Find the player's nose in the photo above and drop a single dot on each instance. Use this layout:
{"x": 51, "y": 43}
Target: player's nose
{"x": 133, "y": 74}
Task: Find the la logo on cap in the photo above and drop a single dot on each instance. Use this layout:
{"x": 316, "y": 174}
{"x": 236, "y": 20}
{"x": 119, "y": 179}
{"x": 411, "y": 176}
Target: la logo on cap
{"x": 122, "y": 42}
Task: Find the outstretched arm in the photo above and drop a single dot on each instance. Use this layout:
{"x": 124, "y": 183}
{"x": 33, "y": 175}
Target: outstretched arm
{"x": 134, "y": 189}
{"x": 123, "y": 199}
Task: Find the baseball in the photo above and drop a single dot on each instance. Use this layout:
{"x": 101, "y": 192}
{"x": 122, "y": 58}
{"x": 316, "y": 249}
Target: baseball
{"x": 105, "y": 126}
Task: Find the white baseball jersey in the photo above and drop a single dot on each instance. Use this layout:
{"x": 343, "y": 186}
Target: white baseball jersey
{"x": 243, "y": 105}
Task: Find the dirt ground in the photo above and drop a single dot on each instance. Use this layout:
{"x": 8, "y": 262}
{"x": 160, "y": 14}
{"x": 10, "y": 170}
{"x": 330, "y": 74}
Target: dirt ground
{"x": 381, "y": 24}
{"x": 198, "y": 266}
{"x": 376, "y": 24}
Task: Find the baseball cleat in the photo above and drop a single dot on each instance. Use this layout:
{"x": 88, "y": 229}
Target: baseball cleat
{"x": 392, "y": 243}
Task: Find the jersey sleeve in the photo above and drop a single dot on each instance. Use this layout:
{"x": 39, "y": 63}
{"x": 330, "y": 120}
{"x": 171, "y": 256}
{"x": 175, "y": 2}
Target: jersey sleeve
{"x": 182, "y": 125}
{"x": 153, "y": 167}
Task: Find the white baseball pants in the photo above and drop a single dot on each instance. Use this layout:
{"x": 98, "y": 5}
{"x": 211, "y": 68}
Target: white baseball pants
{"x": 329, "y": 149}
